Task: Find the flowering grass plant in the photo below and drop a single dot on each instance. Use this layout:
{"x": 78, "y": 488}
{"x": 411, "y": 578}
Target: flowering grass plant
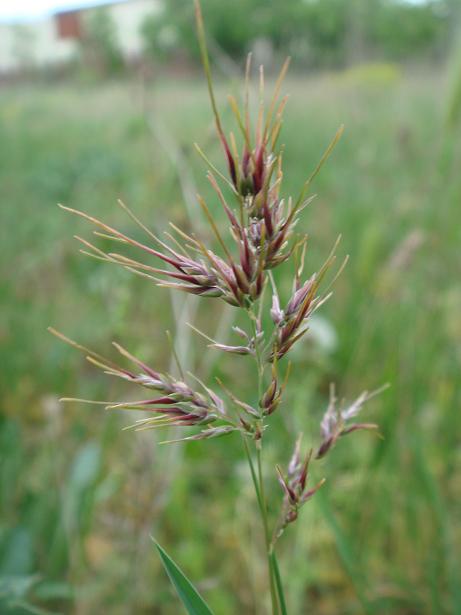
{"x": 260, "y": 237}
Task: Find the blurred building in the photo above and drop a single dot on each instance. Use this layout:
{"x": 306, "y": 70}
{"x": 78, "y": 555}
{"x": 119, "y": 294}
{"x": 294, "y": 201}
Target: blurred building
{"x": 57, "y": 39}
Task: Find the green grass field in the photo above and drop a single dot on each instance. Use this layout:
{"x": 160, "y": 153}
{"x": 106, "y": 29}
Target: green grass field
{"x": 79, "y": 497}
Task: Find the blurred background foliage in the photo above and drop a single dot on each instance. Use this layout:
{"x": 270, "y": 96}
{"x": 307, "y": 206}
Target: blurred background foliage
{"x": 316, "y": 33}
{"x": 79, "y": 497}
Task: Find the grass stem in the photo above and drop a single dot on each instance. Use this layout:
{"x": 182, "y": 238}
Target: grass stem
{"x": 257, "y": 478}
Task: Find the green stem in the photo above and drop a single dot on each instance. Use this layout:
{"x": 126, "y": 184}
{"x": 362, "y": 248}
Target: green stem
{"x": 263, "y": 498}
{"x": 278, "y": 582}
{"x": 258, "y": 357}
{"x": 267, "y": 537}
{"x": 257, "y": 476}
{"x": 259, "y": 489}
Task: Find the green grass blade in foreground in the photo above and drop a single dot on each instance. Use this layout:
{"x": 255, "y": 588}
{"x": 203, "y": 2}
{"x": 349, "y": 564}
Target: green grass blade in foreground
{"x": 278, "y": 583}
{"x": 191, "y": 599}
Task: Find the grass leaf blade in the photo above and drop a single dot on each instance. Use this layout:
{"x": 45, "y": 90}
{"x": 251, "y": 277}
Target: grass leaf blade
{"x": 189, "y": 596}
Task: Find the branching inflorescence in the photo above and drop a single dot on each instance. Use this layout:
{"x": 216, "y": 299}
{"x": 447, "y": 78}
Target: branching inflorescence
{"x": 261, "y": 236}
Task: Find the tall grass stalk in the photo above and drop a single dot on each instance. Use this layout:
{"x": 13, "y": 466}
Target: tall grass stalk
{"x": 262, "y": 236}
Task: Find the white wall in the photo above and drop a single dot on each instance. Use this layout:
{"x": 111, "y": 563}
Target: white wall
{"x": 32, "y": 45}
{"x": 37, "y": 44}
{"x": 128, "y": 17}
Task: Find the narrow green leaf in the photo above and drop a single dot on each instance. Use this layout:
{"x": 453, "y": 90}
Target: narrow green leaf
{"x": 189, "y": 596}
{"x": 278, "y": 583}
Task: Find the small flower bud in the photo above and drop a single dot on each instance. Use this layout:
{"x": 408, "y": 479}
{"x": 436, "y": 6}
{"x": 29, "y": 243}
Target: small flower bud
{"x": 277, "y": 314}
{"x": 294, "y": 486}
{"x": 232, "y": 349}
{"x": 269, "y": 395}
{"x": 334, "y": 421}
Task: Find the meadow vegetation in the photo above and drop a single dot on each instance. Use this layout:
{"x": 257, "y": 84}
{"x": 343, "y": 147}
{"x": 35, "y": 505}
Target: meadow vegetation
{"x": 79, "y": 496}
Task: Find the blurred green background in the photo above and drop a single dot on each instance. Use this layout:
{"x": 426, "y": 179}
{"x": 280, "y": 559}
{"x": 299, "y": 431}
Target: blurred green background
{"x": 79, "y": 497}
